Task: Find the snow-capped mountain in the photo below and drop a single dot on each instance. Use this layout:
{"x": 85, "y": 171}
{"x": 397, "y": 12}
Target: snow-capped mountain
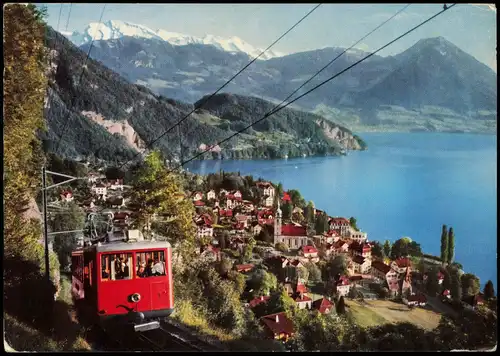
{"x": 115, "y": 29}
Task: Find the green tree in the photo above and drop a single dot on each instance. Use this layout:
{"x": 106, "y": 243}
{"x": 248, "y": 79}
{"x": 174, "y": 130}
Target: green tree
{"x": 451, "y": 246}
{"x": 262, "y": 282}
{"x": 158, "y": 191}
{"x": 280, "y": 246}
{"x": 353, "y": 223}
{"x": 335, "y": 266}
{"x": 248, "y": 250}
{"x": 265, "y": 236}
{"x": 314, "y": 272}
{"x": 387, "y": 248}
{"x": 341, "y": 306}
{"x": 378, "y": 250}
{"x": 489, "y": 291}
{"x": 224, "y": 266}
{"x": 303, "y": 274}
{"x": 239, "y": 281}
{"x": 64, "y": 244}
{"x": 321, "y": 224}
{"x": 296, "y": 198}
{"x": 287, "y": 211}
{"x": 309, "y": 212}
{"x": 432, "y": 283}
{"x": 456, "y": 288}
{"x": 400, "y": 248}
{"x": 444, "y": 244}
{"x": 470, "y": 284}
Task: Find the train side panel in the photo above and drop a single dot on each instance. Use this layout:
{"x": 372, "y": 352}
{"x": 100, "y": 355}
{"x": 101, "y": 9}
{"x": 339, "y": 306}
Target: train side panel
{"x": 77, "y": 290}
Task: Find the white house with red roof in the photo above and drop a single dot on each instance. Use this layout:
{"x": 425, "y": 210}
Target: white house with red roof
{"x": 302, "y": 301}
{"x": 211, "y": 195}
{"x": 400, "y": 265}
{"x": 360, "y": 249}
{"x": 278, "y": 326}
{"x": 197, "y": 196}
{"x": 440, "y": 277}
{"x": 337, "y": 248}
{"x": 266, "y": 189}
{"x": 115, "y": 184}
{"x": 341, "y": 224}
{"x": 383, "y": 272}
{"x": 256, "y": 228}
{"x": 308, "y": 251}
{"x": 242, "y": 219}
{"x": 268, "y": 201}
{"x": 343, "y": 286}
{"x": 211, "y": 253}
{"x": 323, "y": 305}
{"x": 286, "y": 198}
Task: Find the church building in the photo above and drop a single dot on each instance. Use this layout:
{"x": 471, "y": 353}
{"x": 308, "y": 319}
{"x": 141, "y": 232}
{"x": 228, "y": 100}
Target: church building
{"x": 294, "y": 236}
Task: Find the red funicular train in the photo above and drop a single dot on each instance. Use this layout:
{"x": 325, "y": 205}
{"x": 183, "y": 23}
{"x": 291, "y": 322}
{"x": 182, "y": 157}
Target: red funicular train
{"x": 129, "y": 282}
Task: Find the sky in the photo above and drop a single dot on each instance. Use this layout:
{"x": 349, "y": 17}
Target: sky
{"x": 470, "y": 27}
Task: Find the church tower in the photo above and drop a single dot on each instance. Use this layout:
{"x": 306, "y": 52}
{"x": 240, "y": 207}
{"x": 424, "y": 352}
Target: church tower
{"x": 277, "y": 224}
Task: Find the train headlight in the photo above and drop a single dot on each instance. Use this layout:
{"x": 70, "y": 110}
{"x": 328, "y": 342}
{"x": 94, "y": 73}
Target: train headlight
{"x": 136, "y": 297}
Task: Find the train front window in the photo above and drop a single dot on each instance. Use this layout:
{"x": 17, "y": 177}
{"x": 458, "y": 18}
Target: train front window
{"x": 150, "y": 264}
{"x": 115, "y": 266}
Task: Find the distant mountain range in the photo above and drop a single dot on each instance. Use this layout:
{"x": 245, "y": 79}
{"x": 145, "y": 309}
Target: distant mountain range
{"x": 432, "y": 86}
{"x": 115, "y": 29}
{"x": 108, "y": 118}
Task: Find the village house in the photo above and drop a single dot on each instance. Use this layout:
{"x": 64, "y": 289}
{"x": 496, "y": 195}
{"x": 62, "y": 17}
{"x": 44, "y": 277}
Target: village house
{"x": 211, "y": 254}
{"x": 471, "y": 302}
{"x": 278, "y": 326}
{"x": 67, "y": 196}
{"x": 341, "y": 224}
{"x": 343, "y": 285}
{"x": 308, "y": 251}
{"x": 415, "y": 300}
{"x": 331, "y": 236}
{"x": 361, "y": 265}
{"x": 258, "y": 300}
{"x": 100, "y": 190}
{"x": 383, "y": 272}
{"x": 323, "y": 305}
{"x": 223, "y": 193}
{"x": 357, "y": 236}
{"x": 247, "y": 207}
{"x": 238, "y": 243}
{"x": 292, "y": 235}
{"x": 225, "y": 213}
{"x": 93, "y": 177}
{"x": 266, "y": 189}
{"x": 256, "y": 228}
{"x": 302, "y": 301}
{"x": 115, "y": 184}
{"x": 286, "y": 198}
{"x": 211, "y": 195}
{"x": 293, "y": 289}
{"x": 362, "y": 280}
{"x": 440, "y": 277}
{"x": 267, "y": 201}
{"x": 339, "y": 247}
{"x": 116, "y": 202}
{"x": 400, "y": 265}
{"x": 244, "y": 268}
{"x": 360, "y": 249}
{"x": 197, "y": 196}
{"x": 204, "y": 231}
{"x": 242, "y": 219}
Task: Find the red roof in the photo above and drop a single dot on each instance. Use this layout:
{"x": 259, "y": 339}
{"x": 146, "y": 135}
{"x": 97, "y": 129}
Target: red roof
{"x": 293, "y": 230}
{"x": 199, "y": 203}
{"x": 343, "y": 281}
{"x": 332, "y": 233}
{"x": 264, "y": 184}
{"x": 446, "y": 292}
{"x": 242, "y": 217}
{"x": 302, "y": 298}
{"x": 286, "y": 197}
{"x": 339, "y": 244}
{"x": 295, "y": 263}
{"x": 256, "y": 301}
{"x": 363, "y": 247}
{"x": 381, "y": 266}
{"x": 120, "y": 215}
{"x": 440, "y": 275}
{"x": 309, "y": 249}
{"x": 339, "y": 221}
{"x": 301, "y": 288}
{"x": 403, "y": 262}
{"x": 278, "y": 323}
{"x": 244, "y": 268}
{"x": 225, "y": 212}
{"x": 322, "y": 305}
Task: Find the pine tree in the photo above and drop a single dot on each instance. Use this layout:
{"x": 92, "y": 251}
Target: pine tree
{"x": 444, "y": 245}
{"x": 341, "y": 306}
{"x": 451, "y": 246}
{"x": 387, "y": 248}
{"x": 489, "y": 291}
{"x": 456, "y": 287}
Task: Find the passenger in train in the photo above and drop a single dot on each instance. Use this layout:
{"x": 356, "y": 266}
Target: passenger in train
{"x": 158, "y": 268}
{"x": 125, "y": 270}
{"x": 141, "y": 272}
{"x": 149, "y": 268}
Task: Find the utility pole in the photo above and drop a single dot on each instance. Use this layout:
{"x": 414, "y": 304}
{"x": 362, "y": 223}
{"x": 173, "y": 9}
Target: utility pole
{"x": 45, "y": 217}
{"x": 45, "y": 226}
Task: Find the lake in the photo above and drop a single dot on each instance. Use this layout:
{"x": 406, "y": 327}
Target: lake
{"x": 405, "y": 184}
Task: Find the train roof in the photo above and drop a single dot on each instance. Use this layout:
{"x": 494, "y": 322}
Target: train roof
{"x": 128, "y": 246}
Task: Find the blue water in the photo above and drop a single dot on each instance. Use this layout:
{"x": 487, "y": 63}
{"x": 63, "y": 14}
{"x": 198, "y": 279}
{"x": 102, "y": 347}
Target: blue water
{"x": 406, "y": 184}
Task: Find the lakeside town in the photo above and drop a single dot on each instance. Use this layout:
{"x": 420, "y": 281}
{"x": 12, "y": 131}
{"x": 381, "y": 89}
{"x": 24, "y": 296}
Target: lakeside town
{"x": 325, "y": 264}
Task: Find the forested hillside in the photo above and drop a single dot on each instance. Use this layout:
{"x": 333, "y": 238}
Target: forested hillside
{"x": 102, "y": 96}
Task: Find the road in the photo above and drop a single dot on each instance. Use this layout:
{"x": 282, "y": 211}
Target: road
{"x": 436, "y": 304}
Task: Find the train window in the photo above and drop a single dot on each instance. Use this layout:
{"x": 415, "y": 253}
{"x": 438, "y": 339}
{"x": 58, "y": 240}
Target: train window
{"x": 116, "y": 266}
{"x": 150, "y": 264}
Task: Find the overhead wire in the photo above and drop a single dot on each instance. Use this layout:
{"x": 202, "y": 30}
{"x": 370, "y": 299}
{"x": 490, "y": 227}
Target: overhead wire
{"x": 224, "y": 85}
{"x": 69, "y": 15}
{"x": 337, "y": 57}
{"x": 274, "y": 111}
{"x": 78, "y": 83}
